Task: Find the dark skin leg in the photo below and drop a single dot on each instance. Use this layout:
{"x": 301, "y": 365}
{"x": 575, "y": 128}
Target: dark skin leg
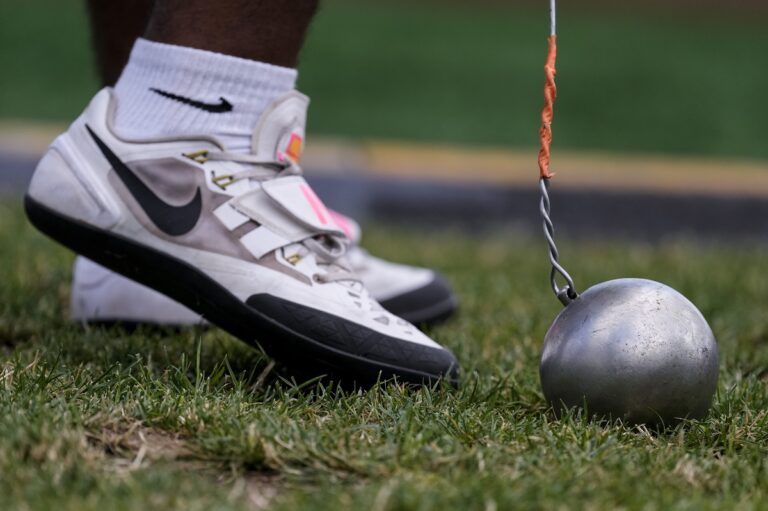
{"x": 115, "y": 25}
{"x": 271, "y": 31}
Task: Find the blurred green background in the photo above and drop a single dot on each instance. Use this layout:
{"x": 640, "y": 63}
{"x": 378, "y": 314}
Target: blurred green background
{"x": 663, "y": 78}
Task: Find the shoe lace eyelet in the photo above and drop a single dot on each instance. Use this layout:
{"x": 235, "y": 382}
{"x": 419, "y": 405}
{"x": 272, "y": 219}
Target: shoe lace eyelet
{"x": 222, "y": 181}
{"x": 198, "y": 156}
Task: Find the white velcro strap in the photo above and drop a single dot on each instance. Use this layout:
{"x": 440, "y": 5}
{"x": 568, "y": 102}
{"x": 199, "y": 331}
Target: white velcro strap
{"x": 289, "y": 207}
{"x": 297, "y": 198}
{"x": 262, "y": 241}
{"x": 229, "y": 216}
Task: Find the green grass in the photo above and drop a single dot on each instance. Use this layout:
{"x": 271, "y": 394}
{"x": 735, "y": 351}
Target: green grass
{"x": 631, "y": 79}
{"x": 221, "y": 430}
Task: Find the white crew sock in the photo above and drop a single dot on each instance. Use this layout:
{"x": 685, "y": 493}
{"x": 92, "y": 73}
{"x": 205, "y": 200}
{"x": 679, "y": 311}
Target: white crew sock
{"x": 200, "y": 76}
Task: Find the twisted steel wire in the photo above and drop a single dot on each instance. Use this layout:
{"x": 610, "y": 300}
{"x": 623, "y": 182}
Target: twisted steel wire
{"x": 567, "y": 293}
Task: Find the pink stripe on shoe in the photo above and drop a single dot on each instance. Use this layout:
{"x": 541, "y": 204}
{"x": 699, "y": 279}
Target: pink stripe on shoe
{"x": 342, "y": 222}
{"x": 316, "y": 203}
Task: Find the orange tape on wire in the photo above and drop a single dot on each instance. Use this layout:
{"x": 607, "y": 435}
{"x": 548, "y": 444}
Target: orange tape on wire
{"x": 547, "y": 113}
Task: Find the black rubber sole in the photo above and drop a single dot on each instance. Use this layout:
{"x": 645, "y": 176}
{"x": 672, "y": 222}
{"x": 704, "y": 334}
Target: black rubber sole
{"x": 315, "y": 343}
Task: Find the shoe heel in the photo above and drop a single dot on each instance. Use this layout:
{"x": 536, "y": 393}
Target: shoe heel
{"x": 58, "y": 186}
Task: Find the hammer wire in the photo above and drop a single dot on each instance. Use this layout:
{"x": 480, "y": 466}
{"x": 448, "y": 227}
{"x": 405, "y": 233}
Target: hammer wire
{"x": 568, "y": 292}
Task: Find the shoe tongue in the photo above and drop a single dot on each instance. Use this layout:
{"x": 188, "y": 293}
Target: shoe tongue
{"x": 279, "y": 134}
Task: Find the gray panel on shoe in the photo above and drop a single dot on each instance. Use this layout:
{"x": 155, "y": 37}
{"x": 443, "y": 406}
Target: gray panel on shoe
{"x": 176, "y": 182}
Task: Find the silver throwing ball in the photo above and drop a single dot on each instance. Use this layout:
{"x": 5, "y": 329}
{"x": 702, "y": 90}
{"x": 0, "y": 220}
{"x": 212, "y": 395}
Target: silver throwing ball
{"x": 631, "y": 349}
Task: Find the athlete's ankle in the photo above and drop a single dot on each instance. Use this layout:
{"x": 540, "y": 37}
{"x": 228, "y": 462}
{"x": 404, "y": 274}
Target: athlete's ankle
{"x": 168, "y": 90}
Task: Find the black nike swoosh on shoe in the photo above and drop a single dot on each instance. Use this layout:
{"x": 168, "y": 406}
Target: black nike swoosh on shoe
{"x": 221, "y": 107}
{"x": 172, "y": 220}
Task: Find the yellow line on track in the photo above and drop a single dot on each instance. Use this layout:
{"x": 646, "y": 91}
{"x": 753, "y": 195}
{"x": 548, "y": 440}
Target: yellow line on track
{"x": 457, "y": 164}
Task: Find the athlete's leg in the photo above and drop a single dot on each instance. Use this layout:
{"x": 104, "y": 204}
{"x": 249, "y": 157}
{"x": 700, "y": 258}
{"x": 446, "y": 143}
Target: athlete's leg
{"x": 115, "y": 26}
{"x": 269, "y": 31}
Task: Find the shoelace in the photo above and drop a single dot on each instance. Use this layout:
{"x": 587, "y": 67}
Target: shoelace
{"x": 331, "y": 259}
{"x": 327, "y": 250}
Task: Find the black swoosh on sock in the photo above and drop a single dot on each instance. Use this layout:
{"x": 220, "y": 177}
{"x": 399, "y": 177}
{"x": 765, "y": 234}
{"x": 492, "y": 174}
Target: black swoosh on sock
{"x": 215, "y": 108}
{"x": 172, "y": 220}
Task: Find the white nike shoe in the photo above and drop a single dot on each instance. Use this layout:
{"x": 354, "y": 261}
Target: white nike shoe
{"x": 242, "y": 240}
{"x": 418, "y": 295}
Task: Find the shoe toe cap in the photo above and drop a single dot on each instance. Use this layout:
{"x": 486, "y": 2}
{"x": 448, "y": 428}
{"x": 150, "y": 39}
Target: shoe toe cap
{"x": 348, "y": 348}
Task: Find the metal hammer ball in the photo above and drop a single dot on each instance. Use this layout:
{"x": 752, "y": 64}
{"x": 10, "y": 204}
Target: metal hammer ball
{"x": 632, "y": 349}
